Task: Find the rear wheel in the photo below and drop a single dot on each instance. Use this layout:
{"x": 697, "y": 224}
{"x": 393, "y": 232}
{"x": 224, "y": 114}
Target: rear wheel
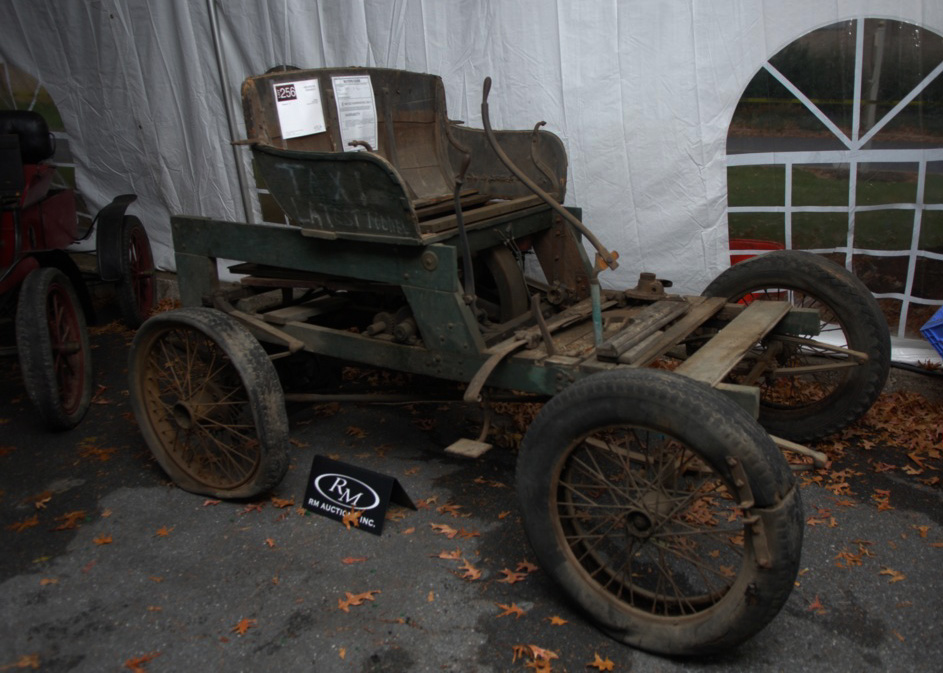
{"x": 53, "y": 348}
{"x": 662, "y": 509}
{"x": 209, "y": 403}
{"x": 135, "y": 290}
{"x": 812, "y": 390}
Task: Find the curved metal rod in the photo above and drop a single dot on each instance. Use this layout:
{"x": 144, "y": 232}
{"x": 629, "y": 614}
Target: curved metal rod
{"x": 604, "y": 253}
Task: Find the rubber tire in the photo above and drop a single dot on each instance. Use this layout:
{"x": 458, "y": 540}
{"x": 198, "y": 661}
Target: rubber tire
{"x": 248, "y": 361}
{"x": 135, "y": 290}
{"x": 707, "y": 423}
{"x": 862, "y": 320}
{"x": 43, "y": 373}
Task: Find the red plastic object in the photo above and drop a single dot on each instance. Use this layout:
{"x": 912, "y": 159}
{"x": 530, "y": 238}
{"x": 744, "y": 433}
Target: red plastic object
{"x": 751, "y": 244}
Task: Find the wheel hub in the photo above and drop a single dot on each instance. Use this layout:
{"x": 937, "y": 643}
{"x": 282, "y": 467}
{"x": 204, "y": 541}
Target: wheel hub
{"x": 184, "y": 415}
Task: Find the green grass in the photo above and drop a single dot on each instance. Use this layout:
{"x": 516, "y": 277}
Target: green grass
{"x": 814, "y": 186}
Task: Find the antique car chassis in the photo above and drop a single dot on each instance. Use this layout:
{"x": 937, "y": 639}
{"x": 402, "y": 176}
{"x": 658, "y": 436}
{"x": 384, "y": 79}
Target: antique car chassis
{"x": 653, "y": 497}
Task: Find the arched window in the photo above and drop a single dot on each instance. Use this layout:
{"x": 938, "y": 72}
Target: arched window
{"x": 836, "y": 146}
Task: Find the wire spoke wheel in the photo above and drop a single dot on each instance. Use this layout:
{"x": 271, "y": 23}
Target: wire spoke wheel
{"x": 53, "y": 348}
{"x": 209, "y": 403}
{"x": 136, "y": 288}
{"x": 662, "y": 509}
{"x": 650, "y": 522}
{"x": 808, "y": 388}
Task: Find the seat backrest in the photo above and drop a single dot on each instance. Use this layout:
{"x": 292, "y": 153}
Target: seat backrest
{"x": 409, "y": 109}
{"x": 36, "y": 143}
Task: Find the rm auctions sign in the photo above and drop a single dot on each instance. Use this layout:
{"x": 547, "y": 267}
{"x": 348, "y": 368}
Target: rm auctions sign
{"x": 336, "y": 489}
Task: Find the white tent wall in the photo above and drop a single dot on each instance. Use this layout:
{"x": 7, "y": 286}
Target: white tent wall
{"x": 641, "y": 93}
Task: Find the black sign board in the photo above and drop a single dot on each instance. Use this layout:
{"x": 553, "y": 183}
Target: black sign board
{"x": 338, "y": 490}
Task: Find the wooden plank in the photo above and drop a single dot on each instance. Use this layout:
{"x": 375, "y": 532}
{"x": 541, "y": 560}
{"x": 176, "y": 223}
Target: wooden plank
{"x": 702, "y": 309}
{"x": 479, "y": 214}
{"x": 721, "y": 354}
{"x": 430, "y": 211}
{"x": 640, "y": 326}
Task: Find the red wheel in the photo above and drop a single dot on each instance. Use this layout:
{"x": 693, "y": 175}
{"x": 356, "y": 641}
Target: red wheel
{"x": 135, "y": 290}
{"x": 52, "y": 344}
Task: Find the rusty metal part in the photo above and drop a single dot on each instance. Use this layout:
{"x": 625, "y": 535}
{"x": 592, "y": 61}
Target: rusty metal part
{"x": 606, "y": 255}
{"x": 648, "y": 287}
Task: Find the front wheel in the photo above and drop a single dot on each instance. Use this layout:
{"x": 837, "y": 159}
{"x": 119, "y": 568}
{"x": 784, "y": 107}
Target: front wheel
{"x": 813, "y": 391}
{"x": 662, "y": 509}
{"x": 209, "y": 403}
{"x": 53, "y": 348}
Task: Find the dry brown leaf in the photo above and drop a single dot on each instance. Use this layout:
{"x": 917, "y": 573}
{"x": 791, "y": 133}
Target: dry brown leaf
{"x": 20, "y": 526}
{"x": 511, "y": 577}
{"x": 557, "y": 621}
{"x": 352, "y": 518}
{"x": 164, "y": 531}
{"x": 816, "y": 606}
{"x": 210, "y": 501}
{"x": 444, "y": 529}
{"x": 526, "y": 566}
{"x": 355, "y": 599}
{"x": 103, "y": 539}
{"x": 350, "y": 560}
{"x": 895, "y": 575}
{"x": 137, "y": 663}
{"x": 471, "y": 572}
{"x": 70, "y": 520}
{"x": 270, "y": 542}
{"x": 243, "y": 626}
{"x": 453, "y": 555}
{"x": 601, "y": 664}
{"x": 508, "y": 610}
{"x": 282, "y": 503}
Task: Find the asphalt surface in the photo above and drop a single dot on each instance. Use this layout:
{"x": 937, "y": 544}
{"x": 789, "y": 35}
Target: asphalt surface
{"x": 152, "y": 577}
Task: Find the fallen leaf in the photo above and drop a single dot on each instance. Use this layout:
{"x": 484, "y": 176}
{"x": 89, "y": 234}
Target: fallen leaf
{"x": 342, "y": 652}
{"x": 923, "y": 530}
{"x": 47, "y": 581}
{"x": 816, "y": 606}
{"x": 895, "y": 575}
{"x": 451, "y": 509}
{"x": 270, "y": 542}
{"x": 468, "y": 533}
{"x": 471, "y": 572}
{"x": 557, "y": 621}
{"x": 253, "y": 507}
{"x": 70, "y": 520}
{"x": 164, "y": 531}
{"x": 26, "y": 661}
{"x": 453, "y": 555}
{"x": 504, "y": 515}
{"x": 210, "y": 501}
{"x": 20, "y": 526}
{"x": 103, "y": 539}
{"x": 431, "y": 597}
{"x": 511, "y": 577}
{"x": 600, "y": 663}
{"x": 526, "y": 566}
{"x": 282, "y": 503}
{"x": 243, "y": 626}
{"x": 354, "y": 431}
{"x": 410, "y": 530}
{"x": 355, "y": 599}
{"x": 444, "y": 529}
{"x": 508, "y": 610}
{"x": 350, "y": 560}
{"x": 352, "y": 518}
{"x": 137, "y": 663}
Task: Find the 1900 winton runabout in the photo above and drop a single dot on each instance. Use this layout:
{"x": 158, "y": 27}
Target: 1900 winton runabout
{"x": 652, "y": 484}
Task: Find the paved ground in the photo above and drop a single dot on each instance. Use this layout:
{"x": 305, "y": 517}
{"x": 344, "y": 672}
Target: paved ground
{"x": 150, "y": 576}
